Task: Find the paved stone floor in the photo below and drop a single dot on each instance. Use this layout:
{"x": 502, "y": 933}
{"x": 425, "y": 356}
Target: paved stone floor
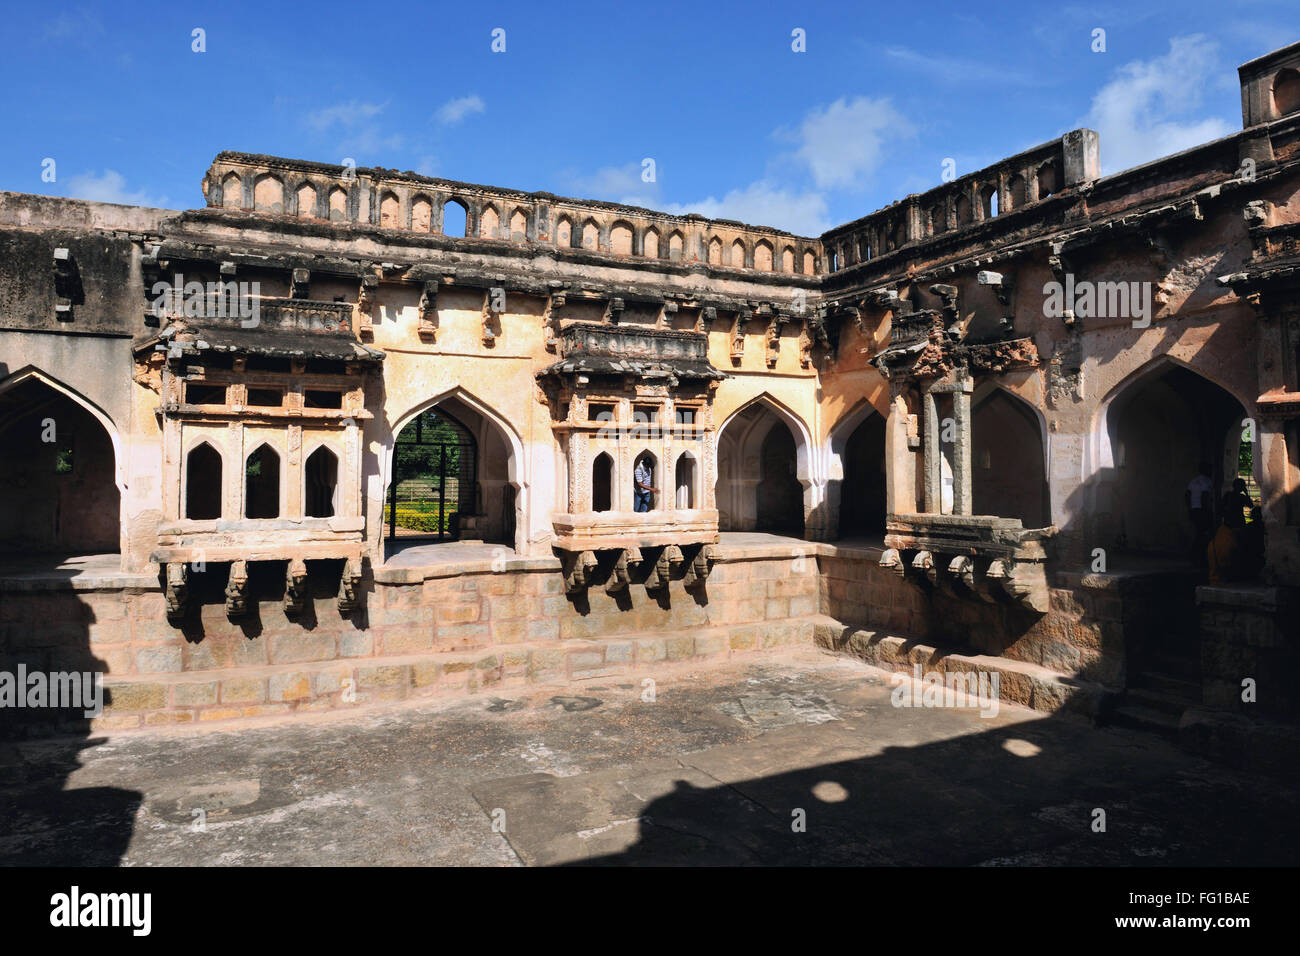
{"x": 717, "y": 769}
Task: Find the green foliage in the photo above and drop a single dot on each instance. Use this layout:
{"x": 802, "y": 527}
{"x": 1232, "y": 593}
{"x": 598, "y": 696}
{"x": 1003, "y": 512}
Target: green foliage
{"x": 1246, "y": 459}
{"x": 422, "y": 517}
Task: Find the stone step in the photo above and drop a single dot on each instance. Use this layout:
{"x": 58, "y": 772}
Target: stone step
{"x": 1138, "y": 717}
{"x": 1189, "y": 690}
{"x": 1019, "y": 682}
{"x": 277, "y": 689}
{"x": 1163, "y": 701}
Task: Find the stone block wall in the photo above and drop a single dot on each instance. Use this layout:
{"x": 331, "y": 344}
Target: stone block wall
{"x": 415, "y": 637}
{"x": 1249, "y": 632}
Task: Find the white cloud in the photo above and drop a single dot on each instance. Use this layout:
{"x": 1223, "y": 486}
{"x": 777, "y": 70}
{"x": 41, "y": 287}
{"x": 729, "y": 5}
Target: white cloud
{"x": 351, "y": 113}
{"x": 621, "y": 184}
{"x": 841, "y": 144}
{"x": 763, "y": 204}
{"x": 453, "y": 111}
{"x": 110, "y": 187}
{"x": 1148, "y": 109}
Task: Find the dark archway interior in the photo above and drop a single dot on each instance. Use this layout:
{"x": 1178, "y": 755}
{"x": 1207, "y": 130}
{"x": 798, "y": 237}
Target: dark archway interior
{"x": 322, "y": 478}
{"x": 262, "y": 484}
{"x": 1160, "y": 430}
{"x": 56, "y": 476}
{"x": 780, "y": 496}
{"x": 862, "y": 493}
{"x": 1009, "y": 478}
{"x": 203, "y": 483}
{"x": 602, "y": 483}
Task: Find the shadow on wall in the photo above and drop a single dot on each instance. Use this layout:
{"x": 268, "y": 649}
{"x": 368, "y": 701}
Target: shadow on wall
{"x": 36, "y": 800}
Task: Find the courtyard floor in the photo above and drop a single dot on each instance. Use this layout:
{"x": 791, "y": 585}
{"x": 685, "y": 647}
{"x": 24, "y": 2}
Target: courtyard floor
{"x": 721, "y": 767}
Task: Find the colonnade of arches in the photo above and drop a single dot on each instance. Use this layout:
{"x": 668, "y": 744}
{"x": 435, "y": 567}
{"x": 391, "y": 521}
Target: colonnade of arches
{"x": 63, "y": 484}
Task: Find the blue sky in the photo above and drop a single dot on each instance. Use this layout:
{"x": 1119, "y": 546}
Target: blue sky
{"x": 737, "y": 123}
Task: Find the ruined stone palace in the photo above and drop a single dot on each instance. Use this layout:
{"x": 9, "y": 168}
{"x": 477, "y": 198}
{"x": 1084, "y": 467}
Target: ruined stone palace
{"x": 345, "y": 435}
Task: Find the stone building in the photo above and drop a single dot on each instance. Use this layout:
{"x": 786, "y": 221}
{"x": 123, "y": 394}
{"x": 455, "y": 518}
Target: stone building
{"x": 351, "y": 434}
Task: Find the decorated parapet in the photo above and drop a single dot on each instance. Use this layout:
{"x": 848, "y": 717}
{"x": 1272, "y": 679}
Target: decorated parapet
{"x": 981, "y": 557}
{"x": 632, "y": 409}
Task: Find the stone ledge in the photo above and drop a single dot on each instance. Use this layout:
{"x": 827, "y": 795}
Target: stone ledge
{"x": 1019, "y": 682}
{"x": 274, "y": 690}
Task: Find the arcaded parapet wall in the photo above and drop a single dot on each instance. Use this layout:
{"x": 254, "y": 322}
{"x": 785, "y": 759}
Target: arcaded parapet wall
{"x": 419, "y": 204}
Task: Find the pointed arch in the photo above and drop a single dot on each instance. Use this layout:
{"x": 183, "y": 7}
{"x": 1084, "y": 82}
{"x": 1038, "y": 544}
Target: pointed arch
{"x": 321, "y": 486}
{"x": 855, "y": 486}
{"x": 1152, "y": 434}
{"x": 1010, "y": 452}
{"x": 421, "y": 213}
{"x": 489, "y": 222}
{"x": 66, "y": 461}
{"x": 517, "y": 483}
{"x": 268, "y": 193}
{"x": 203, "y": 490}
{"x": 519, "y": 224}
{"x": 620, "y": 238}
{"x": 32, "y": 373}
{"x": 740, "y": 446}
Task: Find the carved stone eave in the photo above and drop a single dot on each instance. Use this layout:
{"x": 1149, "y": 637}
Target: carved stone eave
{"x": 980, "y": 557}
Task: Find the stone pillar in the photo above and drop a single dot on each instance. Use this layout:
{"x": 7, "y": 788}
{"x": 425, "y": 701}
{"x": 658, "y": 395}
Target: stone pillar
{"x": 933, "y": 471}
{"x": 961, "y": 478}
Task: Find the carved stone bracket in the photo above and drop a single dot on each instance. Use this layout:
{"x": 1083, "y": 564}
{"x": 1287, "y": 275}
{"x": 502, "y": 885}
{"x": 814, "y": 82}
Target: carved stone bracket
{"x": 551, "y": 320}
{"x": 178, "y": 590}
{"x": 660, "y": 572}
{"x": 349, "y": 586}
{"x": 697, "y": 572}
{"x": 577, "y": 570}
{"x": 366, "y": 293}
{"x": 738, "y": 338}
{"x": 295, "y": 587}
{"x": 237, "y": 590}
{"x": 428, "y": 327}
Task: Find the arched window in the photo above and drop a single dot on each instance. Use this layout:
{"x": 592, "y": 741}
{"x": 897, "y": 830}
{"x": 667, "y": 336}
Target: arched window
{"x": 602, "y": 483}
{"x": 963, "y": 210}
{"x": 650, "y": 246}
{"x": 620, "y": 239}
{"x": 787, "y": 259}
{"x": 645, "y": 476}
{"x": 564, "y": 232}
{"x": 232, "y": 195}
{"x": 1046, "y": 180}
{"x": 715, "y": 251}
{"x": 268, "y": 194}
{"x": 307, "y": 201}
{"x": 737, "y": 255}
{"x": 809, "y": 263}
{"x": 1017, "y": 193}
{"x": 590, "y": 235}
{"x": 390, "y": 211}
{"x": 1286, "y": 92}
{"x": 203, "y": 483}
{"x": 262, "y": 483}
{"x": 990, "y": 202}
{"x": 518, "y": 226}
{"x": 454, "y": 216}
{"x": 422, "y": 214}
{"x": 321, "y": 475}
{"x": 763, "y": 257}
{"x": 489, "y": 225}
{"x": 676, "y": 244}
{"x": 685, "y": 482}
{"x": 338, "y": 204}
